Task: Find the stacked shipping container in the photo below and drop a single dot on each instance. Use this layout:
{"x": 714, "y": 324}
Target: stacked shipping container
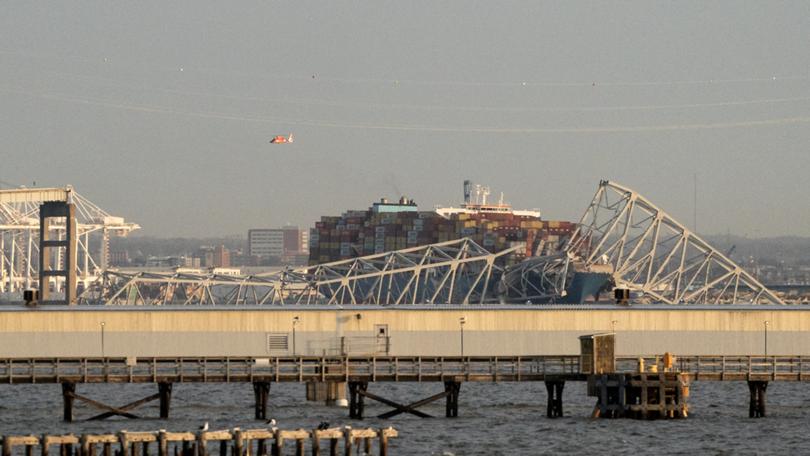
{"x": 359, "y": 233}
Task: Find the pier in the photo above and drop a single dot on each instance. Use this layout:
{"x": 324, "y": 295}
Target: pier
{"x": 358, "y": 373}
{"x": 235, "y": 442}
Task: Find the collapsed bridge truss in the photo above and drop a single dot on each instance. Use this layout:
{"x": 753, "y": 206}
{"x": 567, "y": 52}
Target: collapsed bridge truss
{"x": 622, "y": 241}
{"x": 651, "y": 253}
{"x": 458, "y": 271}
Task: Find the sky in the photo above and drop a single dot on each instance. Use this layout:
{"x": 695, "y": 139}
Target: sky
{"x": 162, "y": 112}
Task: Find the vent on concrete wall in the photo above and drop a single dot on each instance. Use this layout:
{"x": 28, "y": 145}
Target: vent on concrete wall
{"x": 277, "y": 342}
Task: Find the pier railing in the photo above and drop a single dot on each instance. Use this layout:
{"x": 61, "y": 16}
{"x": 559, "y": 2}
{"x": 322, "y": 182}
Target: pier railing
{"x": 381, "y": 369}
{"x": 289, "y": 369}
{"x": 728, "y": 368}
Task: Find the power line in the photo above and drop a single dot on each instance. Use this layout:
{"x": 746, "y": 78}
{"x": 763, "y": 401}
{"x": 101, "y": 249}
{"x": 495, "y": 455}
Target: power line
{"x": 350, "y": 104}
{"x": 415, "y": 127}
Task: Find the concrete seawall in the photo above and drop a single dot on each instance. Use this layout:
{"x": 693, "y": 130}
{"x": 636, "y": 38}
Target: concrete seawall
{"x": 401, "y": 331}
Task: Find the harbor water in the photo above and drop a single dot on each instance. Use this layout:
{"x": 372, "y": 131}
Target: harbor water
{"x": 502, "y": 418}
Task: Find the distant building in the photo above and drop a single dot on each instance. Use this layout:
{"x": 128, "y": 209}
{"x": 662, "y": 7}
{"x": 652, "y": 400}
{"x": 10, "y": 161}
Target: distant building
{"x": 227, "y": 271}
{"x": 192, "y": 262}
{"x": 240, "y": 259}
{"x": 166, "y": 262}
{"x": 286, "y": 242}
{"x": 222, "y": 257}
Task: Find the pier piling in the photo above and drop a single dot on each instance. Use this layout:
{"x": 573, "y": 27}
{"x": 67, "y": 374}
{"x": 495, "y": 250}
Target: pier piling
{"x": 165, "y": 392}
{"x": 452, "y": 389}
{"x": 261, "y": 391}
{"x": 555, "y": 398}
{"x": 357, "y": 399}
{"x": 756, "y": 408}
{"x": 68, "y": 392}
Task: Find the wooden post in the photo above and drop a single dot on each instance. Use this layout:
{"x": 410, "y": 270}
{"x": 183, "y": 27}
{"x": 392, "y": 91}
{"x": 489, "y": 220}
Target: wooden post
{"x": 383, "y": 442}
{"x": 202, "y": 445}
{"x": 68, "y": 389}
{"x": 223, "y": 448}
{"x": 6, "y": 447}
{"x": 333, "y": 447}
{"x": 84, "y": 446}
{"x": 347, "y": 437}
{"x": 261, "y": 391}
{"x": 163, "y": 444}
{"x": 278, "y": 443}
{"x": 316, "y": 443}
{"x": 124, "y": 442}
{"x": 299, "y": 447}
{"x": 237, "y": 442}
{"x": 107, "y": 449}
{"x": 165, "y": 392}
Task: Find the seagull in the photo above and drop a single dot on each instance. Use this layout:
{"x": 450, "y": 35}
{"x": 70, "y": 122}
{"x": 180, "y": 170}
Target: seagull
{"x": 272, "y": 422}
{"x": 323, "y": 426}
{"x": 204, "y": 427}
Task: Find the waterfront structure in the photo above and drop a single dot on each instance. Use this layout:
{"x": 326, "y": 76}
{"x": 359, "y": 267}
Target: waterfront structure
{"x": 20, "y": 235}
{"x": 426, "y": 330}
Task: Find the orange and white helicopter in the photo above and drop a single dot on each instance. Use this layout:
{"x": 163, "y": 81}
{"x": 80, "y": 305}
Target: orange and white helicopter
{"x": 280, "y": 139}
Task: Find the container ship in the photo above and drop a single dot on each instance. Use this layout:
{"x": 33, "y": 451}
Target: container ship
{"x": 395, "y": 225}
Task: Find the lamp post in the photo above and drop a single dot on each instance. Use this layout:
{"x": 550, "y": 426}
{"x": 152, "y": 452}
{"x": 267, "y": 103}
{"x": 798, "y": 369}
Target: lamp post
{"x": 461, "y": 322}
{"x": 766, "y": 323}
{"x": 102, "y": 338}
{"x": 295, "y": 322}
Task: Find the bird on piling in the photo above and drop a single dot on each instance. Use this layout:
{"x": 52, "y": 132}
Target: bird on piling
{"x": 272, "y": 422}
{"x": 204, "y": 427}
{"x": 323, "y": 426}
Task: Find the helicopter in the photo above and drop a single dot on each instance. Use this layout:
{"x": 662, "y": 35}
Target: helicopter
{"x": 280, "y": 139}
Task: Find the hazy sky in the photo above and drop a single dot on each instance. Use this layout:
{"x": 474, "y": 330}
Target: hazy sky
{"x": 162, "y": 111}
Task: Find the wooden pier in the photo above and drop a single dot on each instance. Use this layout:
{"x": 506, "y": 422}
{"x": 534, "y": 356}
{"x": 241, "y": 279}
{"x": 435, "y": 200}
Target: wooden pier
{"x": 236, "y": 442}
{"x": 287, "y": 369}
{"x": 359, "y": 372}
{"x": 641, "y": 395}
{"x": 381, "y": 369}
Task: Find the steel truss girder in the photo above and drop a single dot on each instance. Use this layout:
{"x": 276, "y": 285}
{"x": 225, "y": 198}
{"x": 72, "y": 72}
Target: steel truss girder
{"x": 536, "y": 280}
{"x": 458, "y": 271}
{"x": 651, "y": 253}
